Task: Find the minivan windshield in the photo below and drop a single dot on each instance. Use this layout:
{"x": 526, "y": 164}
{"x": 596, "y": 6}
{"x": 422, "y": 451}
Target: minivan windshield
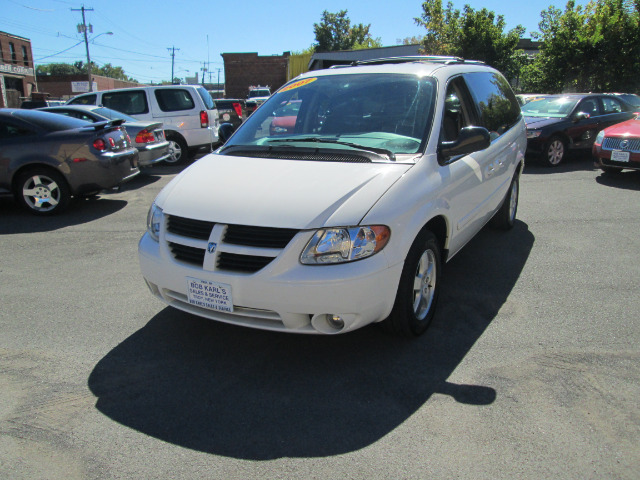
{"x": 389, "y": 114}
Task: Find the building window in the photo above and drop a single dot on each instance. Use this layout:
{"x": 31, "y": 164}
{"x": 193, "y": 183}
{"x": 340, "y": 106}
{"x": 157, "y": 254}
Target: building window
{"x": 25, "y": 56}
{"x": 12, "y": 51}
{"x": 1, "y": 54}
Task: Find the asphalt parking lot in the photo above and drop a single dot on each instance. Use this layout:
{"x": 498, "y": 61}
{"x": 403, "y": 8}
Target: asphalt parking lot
{"x": 530, "y": 370}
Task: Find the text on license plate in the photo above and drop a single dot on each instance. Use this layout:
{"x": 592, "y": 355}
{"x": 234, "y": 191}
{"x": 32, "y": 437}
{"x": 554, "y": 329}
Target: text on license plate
{"x": 212, "y": 295}
{"x": 619, "y": 156}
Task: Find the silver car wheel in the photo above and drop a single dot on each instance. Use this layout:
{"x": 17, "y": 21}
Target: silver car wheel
{"x": 424, "y": 285}
{"x": 175, "y": 152}
{"x": 41, "y": 193}
{"x": 555, "y": 152}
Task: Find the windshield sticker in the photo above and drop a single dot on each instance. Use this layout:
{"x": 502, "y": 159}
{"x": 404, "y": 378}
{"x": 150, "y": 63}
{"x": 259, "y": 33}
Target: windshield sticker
{"x": 298, "y": 84}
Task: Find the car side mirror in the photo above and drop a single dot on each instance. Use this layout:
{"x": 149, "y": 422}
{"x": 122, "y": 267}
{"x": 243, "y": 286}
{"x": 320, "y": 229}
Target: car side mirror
{"x": 470, "y": 139}
{"x": 225, "y": 130}
{"x": 580, "y": 116}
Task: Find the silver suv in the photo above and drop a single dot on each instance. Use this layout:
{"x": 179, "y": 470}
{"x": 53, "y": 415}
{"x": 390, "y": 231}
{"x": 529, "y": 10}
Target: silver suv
{"x": 340, "y": 212}
{"x": 188, "y": 113}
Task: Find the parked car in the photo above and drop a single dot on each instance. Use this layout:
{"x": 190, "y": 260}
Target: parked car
{"x": 559, "y": 123}
{"x": 259, "y": 94}
{"x": 524, "y": 98}
{"x": 631, "y": 98}
{"x": 47, "y": 158}
{"x": 40, "y": 103}
{"x": 394, "y": 165}
{"x": 147, "y": 137}
{"x": 187, "y": 111}
{"x": 231, "y": 113}
{"x": 618, "y": 147}
{"x": 285, "y": 118}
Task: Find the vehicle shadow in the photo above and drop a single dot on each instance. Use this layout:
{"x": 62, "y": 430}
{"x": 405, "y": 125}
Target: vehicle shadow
{"x": 574, "y": 162}
{"x": 257, "y": 395}
{"x": 83, "y": 210}
{"x": 627, "y": 179}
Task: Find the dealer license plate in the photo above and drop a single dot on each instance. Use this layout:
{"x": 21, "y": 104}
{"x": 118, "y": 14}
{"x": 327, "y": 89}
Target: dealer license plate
{"x": 619, "y": 156}
{"x": 212, "y": 295}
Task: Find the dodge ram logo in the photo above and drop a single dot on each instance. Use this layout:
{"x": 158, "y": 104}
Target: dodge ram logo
{"x": 212, "y": 247}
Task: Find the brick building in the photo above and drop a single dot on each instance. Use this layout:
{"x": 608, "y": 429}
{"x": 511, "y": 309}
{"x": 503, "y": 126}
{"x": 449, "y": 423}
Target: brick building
{"x": 242, "y": 70}
{"x": 67, "y": 86}
{"x": 17, "y": 74}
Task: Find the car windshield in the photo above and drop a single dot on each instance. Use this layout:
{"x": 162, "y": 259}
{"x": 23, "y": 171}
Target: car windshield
{"x": 113, "y": 114}
{"x": 259, "y": 93}
{"x": 556, "y": 107}
{"x": 389, "y": 114}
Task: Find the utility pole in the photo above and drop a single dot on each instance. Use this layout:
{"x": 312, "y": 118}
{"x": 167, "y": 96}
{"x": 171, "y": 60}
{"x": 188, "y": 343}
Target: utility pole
{"x": 83, "y": 29}
{"x": 204, "y": 71}
{"x": 173, "y": 56}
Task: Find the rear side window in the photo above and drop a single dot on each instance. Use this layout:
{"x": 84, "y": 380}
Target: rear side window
{"x": 206, "y": 98}
{"x": 496, "y": 103}
{"x": 83, "y": 100}
{"x": 611, "y": 105}
{"x": 8, "y": 130}
{"x": 131, "y": 103}
{"x": 174, "y": 99}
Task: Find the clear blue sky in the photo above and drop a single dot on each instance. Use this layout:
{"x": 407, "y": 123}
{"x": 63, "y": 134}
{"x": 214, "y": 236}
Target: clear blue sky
{"x": 202, "y": 30}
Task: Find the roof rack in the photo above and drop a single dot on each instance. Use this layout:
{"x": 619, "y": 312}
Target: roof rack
{"x": 418, "y": 59}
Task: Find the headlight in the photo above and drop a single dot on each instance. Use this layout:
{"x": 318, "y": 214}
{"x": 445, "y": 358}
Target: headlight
{"x": 599, "y": 137}
{"x": 339, "y": 245}
{"x": 154, "y": 218}
{"x": 533, "y": 133}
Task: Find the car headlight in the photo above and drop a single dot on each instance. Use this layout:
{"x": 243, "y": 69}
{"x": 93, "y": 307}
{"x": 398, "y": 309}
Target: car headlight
{"x": 533, "y": 133}
{"x": 345, "y": 244}
{"x": 154, "y": 218}
{"x": 599, "y": 137}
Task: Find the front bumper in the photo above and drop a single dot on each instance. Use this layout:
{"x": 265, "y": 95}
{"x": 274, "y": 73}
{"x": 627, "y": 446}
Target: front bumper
{"x": 284, "y": 295}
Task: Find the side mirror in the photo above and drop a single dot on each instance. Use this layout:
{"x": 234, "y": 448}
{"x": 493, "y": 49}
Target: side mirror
{"x": 580, "y": 116}
{"x": 470, "y": 139}
{"x": 225, "y": 131}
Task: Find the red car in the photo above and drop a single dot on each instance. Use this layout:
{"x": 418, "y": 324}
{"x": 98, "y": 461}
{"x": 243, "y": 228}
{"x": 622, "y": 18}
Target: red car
{"x": 618, "y": 147}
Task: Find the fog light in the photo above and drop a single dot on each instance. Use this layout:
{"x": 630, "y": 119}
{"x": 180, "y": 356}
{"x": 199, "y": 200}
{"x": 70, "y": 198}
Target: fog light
{"x": 335, "y": 321}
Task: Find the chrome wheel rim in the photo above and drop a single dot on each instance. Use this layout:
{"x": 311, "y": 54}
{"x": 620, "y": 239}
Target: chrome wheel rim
{"x": 175, "y": 152}
{"x": 41, "y": 193}
{"x": 555, "y": 152}
{"x": 424, "y": 285}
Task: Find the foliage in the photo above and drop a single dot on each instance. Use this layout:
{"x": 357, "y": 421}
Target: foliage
{"x": 471, "y": 34}
{"x": 591, "y": 48}
{"x": 335, "y": 33}
{"x": 80, "y": 67}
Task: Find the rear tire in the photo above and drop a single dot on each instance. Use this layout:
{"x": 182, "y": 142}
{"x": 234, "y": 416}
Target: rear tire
{"x": 418, "y": 289}
{"x": 42, "y": 191}
{"x": 178, "y": 150}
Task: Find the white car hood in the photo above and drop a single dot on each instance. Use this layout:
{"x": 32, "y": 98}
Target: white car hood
{"x": 278, "y": 193}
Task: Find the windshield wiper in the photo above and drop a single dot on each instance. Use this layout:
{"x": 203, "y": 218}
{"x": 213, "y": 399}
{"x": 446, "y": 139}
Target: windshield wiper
{"x": 379, "y": 151}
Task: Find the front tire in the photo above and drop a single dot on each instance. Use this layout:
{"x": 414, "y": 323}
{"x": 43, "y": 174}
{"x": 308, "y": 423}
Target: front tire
{"x": 418, "y": 289}
{"x": 505, "y": 218}
{"x": 555, "y": 151}
{"x": 42, "y": 191}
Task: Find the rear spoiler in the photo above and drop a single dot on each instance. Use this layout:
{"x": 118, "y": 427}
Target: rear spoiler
{"x": 104, "y": 125}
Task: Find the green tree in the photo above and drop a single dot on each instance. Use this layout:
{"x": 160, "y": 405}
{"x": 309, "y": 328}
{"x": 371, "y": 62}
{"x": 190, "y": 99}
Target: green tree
{"x": 471, "y": 34}
{"x": 335, "y": 32}
{"x": 57, "y": 69}
{"x": 587, "y": 48}
{"x": 80, "y": 67}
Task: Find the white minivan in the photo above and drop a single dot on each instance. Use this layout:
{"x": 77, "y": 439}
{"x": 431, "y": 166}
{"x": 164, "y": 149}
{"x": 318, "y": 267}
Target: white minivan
{"x": 340, "y": 212}
{"x": 187, "y": 112}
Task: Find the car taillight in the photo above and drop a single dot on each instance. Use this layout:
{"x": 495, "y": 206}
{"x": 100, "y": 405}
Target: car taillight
{"x": 112, "y": 142}
{"x": 99, "y": 144}
{"x": 204, "y": 119}
{"x": 238, "y": 108}
{"x": 145, "y": 136}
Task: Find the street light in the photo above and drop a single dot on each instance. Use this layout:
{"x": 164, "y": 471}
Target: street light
{"x": 86, "y": 42}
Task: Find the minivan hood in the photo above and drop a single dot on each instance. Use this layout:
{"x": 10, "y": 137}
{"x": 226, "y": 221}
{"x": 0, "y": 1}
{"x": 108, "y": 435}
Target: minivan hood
{"x": 278, "y": 193}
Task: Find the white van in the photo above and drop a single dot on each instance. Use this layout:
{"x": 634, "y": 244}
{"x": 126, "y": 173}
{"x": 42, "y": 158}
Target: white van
{"x": 337, "y": 202}
{"x": 188, "y": 113}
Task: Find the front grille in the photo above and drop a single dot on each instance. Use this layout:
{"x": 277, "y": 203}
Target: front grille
{"x": 185, "y": 253}
{"x": 242, "y": 263}
{"x": 188, "y": 227}
{"x": 263, "y": 237}
{"x": 614, "y": 144}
